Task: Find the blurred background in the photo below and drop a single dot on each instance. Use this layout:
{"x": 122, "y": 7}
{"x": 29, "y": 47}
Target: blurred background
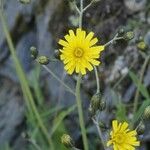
{"x": 41, "y": 23}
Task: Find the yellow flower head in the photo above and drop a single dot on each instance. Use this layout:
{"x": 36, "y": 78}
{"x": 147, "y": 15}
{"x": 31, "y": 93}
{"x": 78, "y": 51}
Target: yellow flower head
{"x": 122, "y": 138}
{"x": 78, "y": 52}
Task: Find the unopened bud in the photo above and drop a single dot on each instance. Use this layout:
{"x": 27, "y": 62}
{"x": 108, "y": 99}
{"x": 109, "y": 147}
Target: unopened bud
{"x": 141, "y": 128}
{"x": 43, "y": 60}
{"x": 67, "y": 141}
{"x": 57, "y": 54}
{"x": 25, "y": 1}
{"x": 34, "y": 52}
{"x": 147, "y": 112}
{"x": 128, "y": 36}
{"x": 95, "y": 102}
{"x": 141, "y": 45}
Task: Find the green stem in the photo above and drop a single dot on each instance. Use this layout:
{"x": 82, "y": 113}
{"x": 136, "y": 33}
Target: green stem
{"x": 58, "y": 79}
{"x": 97, "y": 80}
{"x": 80, "y": 112}
{"x": 95, "y": 121}
{"x": 140, "y": 82}
{"x": 78, "y": 97}
{"x": 81, "y": 14}
{"x": 116, "y": 38}
{"x": 25, "y": 88}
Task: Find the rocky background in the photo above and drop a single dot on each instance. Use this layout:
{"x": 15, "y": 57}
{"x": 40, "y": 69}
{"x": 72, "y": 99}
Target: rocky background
{"x": 41, "y": 23}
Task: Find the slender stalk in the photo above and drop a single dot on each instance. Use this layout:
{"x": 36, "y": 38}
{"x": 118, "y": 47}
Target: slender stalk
{"x": 95, "y": 121}
{"x": 97, "y": 80}
{"x": 89, "y": 5}
{"x": 37, "y": 147}
{"x": 81, "y": 14}
{"x": 113, "y": 40}
{"x": 23, "y": 80}
{"x": 123, "y": 77}
{"x": 77, "y": 9}
{"x": 140, "y": 82}
{"x": 58, "y": 79}
{"x": 78, "y": 96}
{"x": 80, "y": 112}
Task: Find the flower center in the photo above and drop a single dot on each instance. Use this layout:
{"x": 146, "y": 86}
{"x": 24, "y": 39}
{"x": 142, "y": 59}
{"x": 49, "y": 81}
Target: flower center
{"x": 119, "y": 138}
{"x": 78, "y": 52}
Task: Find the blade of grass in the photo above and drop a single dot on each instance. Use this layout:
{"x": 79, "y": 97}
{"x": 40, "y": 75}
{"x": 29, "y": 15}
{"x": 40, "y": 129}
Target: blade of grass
{"x": 142, "y": 88}
{"x": 58, "y": 120}
{"x": 140, "y": 111}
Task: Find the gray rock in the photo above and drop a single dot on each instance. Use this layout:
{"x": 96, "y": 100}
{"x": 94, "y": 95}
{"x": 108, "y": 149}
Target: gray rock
{"x": 135, "y": 5}
{"x": 11, "y": 112}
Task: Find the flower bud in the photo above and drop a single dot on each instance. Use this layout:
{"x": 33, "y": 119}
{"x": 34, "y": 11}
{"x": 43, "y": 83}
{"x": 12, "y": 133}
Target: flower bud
{"x": 147, "y": 112}
{"x": 25, "y": 1}
{"x": 34, "y": 52}
{"x": 43, "y": 60}
{"x": 67, "y": 141}
{"x": 57, "y": 54}
{"x": 141, "y": 45}
{"x": 141, "y": 128}
{"x": 95, "y": 102}
{"x": 128, "y": 36}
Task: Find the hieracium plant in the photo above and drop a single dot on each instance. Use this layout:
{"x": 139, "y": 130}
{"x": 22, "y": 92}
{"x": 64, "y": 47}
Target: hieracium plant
{"x": 80, "y": 53}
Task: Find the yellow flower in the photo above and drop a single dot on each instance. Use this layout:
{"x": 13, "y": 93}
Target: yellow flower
{"x": 78, "y": 52}
{"x": 122, "y": 138}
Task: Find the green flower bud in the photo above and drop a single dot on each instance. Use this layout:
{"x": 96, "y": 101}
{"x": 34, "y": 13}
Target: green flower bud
{"x": 141, "y": 45}
{"x": 25, "y": 1}
{"x": 95, "y": 102}
{"x": 34, "y": 52}
{"x": 57, "y": 54}
{"x": 147, "y": 112}
{"x": 140, "y": 128}
{"x": 43, "y": 60}
{"x": 128, "y": 36}
{"x": 67, "y": 141}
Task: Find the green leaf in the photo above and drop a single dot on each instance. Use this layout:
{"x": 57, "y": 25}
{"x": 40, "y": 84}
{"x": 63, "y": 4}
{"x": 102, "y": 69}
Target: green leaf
{"x": 57, "y": 121}
{"x": 140, "y": 86}
{"x": 140, "y": 111}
